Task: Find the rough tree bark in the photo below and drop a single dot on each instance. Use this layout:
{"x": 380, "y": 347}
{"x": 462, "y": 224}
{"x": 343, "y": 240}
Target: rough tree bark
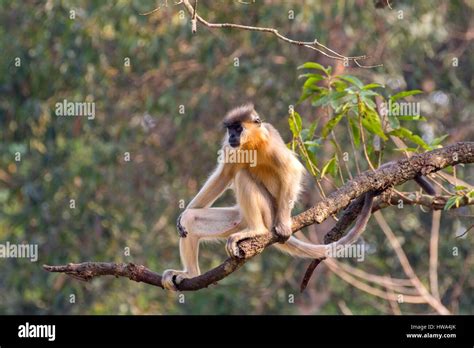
{"x": 387, "y": 176}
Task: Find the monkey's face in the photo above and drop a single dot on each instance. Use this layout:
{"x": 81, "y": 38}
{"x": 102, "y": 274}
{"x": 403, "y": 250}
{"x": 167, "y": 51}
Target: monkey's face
{"x": 245, "y": 134}
{"x": 234, "y": 133}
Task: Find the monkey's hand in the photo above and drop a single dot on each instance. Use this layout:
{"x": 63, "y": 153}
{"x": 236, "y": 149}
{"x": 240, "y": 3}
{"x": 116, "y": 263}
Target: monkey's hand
{"x": 232, "y": 245}
{"x": 171, "y": 279}
{"x": 282, "y": 230}
{"x": 181, "y": 230}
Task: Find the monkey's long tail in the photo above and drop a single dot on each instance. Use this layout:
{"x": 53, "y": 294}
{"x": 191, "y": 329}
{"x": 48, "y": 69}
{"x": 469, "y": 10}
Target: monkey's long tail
{"x": 298, "y": 248}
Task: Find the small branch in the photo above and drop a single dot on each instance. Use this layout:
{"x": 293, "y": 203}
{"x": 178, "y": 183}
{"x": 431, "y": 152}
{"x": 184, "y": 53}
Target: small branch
{"x": 434, "y": 245}
{"x": 383, "y": 178}
{"x": 407, "y": 268}
{"x": 88, "y": 270}
{"x": 313, "y": 45}
{"x": 193, "y": 20}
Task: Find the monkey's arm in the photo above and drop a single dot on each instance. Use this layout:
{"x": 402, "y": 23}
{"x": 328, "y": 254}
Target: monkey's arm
{"x": 213, "y": 188}
{"x": 290, "y": 186}
{"x": 282, "y": 223}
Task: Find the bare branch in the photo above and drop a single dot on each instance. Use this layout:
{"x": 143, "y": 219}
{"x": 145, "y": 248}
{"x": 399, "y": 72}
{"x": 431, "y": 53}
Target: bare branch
{"x": 313, "y": 45}
{"x": 88, "y": 270}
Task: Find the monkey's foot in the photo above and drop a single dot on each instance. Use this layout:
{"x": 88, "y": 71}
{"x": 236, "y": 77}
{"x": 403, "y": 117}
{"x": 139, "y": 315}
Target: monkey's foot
{"x": 232, "y": 245}
{"x": 172, "y": 278}
{"x": 282, "y": 231}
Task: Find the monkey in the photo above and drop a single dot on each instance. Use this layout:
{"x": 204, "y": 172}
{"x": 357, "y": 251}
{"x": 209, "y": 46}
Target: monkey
{"x": 265, "y": 195}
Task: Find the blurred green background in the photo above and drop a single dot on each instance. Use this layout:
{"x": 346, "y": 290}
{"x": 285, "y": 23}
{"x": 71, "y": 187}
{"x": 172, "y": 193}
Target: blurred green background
{"x": 134, "y": 204}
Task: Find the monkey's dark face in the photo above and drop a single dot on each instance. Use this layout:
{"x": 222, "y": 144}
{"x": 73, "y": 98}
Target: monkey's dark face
{"x": 242, "y": 130}
{"x": 234, "y": 131}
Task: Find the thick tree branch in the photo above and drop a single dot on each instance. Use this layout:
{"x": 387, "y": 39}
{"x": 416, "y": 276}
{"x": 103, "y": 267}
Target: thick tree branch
{"x": 385, "y": 177}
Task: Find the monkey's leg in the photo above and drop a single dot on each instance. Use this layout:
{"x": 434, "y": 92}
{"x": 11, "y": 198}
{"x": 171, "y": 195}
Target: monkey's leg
{"x": 256, "y": 208}
{"x": 208, "y": 223}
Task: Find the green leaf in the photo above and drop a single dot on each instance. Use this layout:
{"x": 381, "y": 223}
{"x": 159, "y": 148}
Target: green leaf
{"x": 313, "y": 127}
{"x": 450, "y": 203}
{"x": 308, "y": 134}
{"x": 314, "y": 65}
{"x": 407, "y": 149}
{"x": 312, "y": 81}
{"x": 330, "y": 167}
{"x": 351, "y": 79}
{"x": 368, "y": 93}
{"x": 438, "y": 140}
{"x": 318, "y": 76}
{"x": 355, "y": 131}
{"x": 367, "y": 100}
{"x": 460, "y": 188}
{"x": 312, "y": 143}
{"x": 329, "y": 126}
{"x": 338, "y": 85}
{"x": 394, "y": 122}
{"x": 372, "y": 85}
{"x": 331, "y": 97}
{"x": 404, "y": 133}
{"x": 295, "y": 123}
{"x": 312, "y": 157}
{"x": 411, "y": 118}
{"x": 405, "y": 94}
{"x": 305, "y": 95}
{"x": 371, "y": 121}
{"x": 299, "y": 122}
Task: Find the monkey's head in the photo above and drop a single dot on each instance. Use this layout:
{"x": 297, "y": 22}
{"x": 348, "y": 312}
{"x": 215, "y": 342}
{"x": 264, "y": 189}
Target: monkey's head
{"x": 244, "y": 128}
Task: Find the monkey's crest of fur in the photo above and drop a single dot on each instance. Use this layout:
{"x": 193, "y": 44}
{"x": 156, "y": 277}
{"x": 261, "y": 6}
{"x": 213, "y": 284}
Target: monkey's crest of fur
{"x": 243, "y": 113}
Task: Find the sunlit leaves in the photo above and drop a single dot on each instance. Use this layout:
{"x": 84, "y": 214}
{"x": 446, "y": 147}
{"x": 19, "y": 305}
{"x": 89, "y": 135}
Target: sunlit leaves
{"x": 317, "y": 66}
{"x": 352, "y": 80}
{"x": 436, "y": 142}
{"x": 407, "y": 134}
{"x": 371, "y": 121}
{"x": 295, "y": 123}
{"x": 330, "y": 167}
{"x": 462, "y": 196}
{"x": 346, "y": 96}
{"x": 329, "y": 126}
{"x": 405, "y": 94}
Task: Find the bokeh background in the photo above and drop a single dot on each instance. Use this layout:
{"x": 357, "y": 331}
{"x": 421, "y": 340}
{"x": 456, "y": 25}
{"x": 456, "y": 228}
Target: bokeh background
{"x": 134, "y": 204}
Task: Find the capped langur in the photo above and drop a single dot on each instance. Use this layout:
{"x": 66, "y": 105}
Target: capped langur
{"x": 265, "y": 192}
{"x": 265, "y": 188}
